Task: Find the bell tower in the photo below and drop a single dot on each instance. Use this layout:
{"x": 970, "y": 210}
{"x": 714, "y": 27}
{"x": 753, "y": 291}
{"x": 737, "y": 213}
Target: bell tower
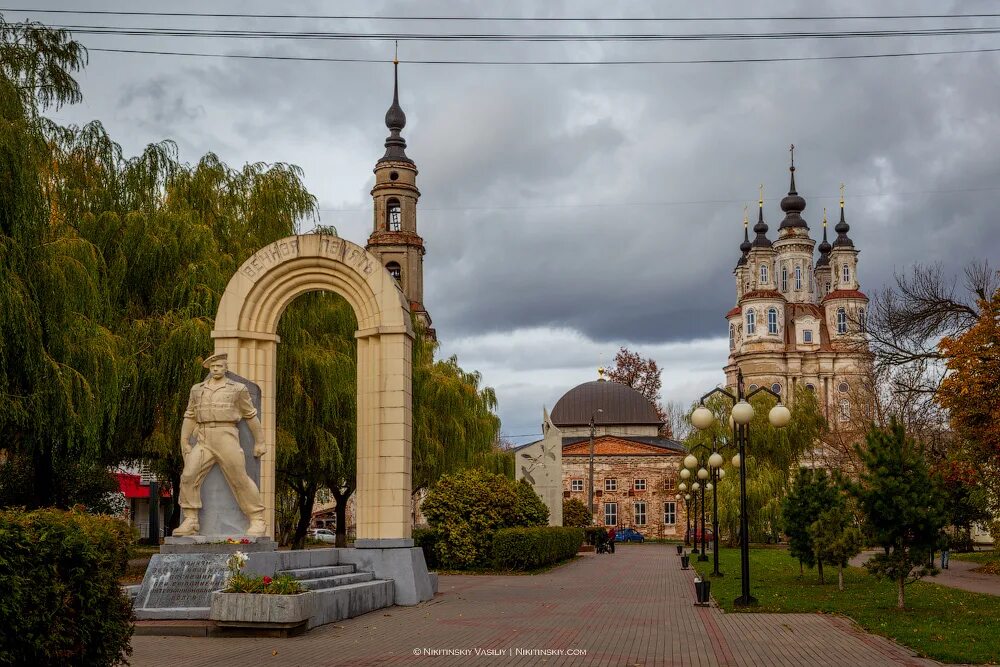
{"x": 394, "y": 239}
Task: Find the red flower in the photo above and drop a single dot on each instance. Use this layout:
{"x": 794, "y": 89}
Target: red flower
{"x": 245, "y": 541}
{"x": 267, "y": 580}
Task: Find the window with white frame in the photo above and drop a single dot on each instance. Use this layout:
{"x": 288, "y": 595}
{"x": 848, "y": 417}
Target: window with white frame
{"x": 640, "y": 514}
{"x": 845, "y": 274}
{"x": 798, "y": 277}
{"x": 610, "y": 514}
{"x": 751, "y": 323}
{"x": 611, "y": 484}
{"x": 576, "y": 485}
{"x": 841, "y": 321}
{"x": 668, "y": 483}
{"x": 807, "y": 336}
{"x": 670, "y": 513}
{"x": 640, "y": 485}
{"x": 772, "y": 321}
{"x": 763, "y": 273}
{"x": 784, "y": 279}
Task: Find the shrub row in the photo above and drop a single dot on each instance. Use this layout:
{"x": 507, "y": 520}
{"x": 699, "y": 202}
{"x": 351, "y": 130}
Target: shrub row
{"x": 61, "y": 602}
{"x": 530, "y": 548}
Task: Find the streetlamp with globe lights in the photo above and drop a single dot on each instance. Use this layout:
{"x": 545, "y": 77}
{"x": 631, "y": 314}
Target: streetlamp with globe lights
{"x": 742, "y": 413}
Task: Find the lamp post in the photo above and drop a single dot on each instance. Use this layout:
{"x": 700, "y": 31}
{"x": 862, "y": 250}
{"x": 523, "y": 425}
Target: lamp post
{"x": 702, "y": 418}
{"x": 717, "y": 474}
{"x": 590, "y": 491}
{"x": 687, "y": 513}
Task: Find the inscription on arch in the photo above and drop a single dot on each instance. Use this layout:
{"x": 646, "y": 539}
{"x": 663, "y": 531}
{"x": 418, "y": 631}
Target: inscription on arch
{"x": 332, "y": 247}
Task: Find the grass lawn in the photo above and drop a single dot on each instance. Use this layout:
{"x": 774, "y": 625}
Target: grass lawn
{"x": 946, "y": 624}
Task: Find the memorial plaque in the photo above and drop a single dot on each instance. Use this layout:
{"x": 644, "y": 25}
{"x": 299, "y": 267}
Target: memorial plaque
{"x": 182, "y": 580}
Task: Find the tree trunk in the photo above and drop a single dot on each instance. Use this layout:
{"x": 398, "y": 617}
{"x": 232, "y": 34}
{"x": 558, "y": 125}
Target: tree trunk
{"x": 819, "y": 565}
{"x": 840, "y": 577}
{"x": 306, "y": 495}
{"x": 44, "y": 475}
{"x": 900, "y": 593}
{"x": 800, "y": 567}
{"x": 341, "y": 496}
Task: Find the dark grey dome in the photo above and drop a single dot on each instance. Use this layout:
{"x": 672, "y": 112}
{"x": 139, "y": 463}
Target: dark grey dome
{"x": 619, "y": 404}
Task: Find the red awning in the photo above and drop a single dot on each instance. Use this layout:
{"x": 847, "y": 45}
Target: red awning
{"x": 130, "y": 486}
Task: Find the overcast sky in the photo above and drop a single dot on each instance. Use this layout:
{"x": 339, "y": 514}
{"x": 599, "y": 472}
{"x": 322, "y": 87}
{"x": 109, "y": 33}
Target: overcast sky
{"x": 569, "y": 210}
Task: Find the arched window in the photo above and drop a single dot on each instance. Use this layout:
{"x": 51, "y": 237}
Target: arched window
{"x": 732, "y": 337}
{"x": 845, "y": 410}
{"x": 811, "y": 387}
{"x": 798, "y": 277}
{"x": 841, "y": 321}
{"x": 395, "y": 271}
{"x": 845, "y": 274}
{"x": 776, "y": 388}
{"x": 772, "y": 321}
{"x": 393, "y": 215}
{"x": 784, "y": 279}
{"x": 763, "y": 273}
{"x": 751, "y": 323}
{"x": 827, "y": 290}
{"x": 862, "y": 323}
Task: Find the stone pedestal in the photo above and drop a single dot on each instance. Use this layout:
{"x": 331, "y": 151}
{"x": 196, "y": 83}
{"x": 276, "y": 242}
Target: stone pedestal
{"x": 216, "y": 544}
{"x": 404, "y": 564}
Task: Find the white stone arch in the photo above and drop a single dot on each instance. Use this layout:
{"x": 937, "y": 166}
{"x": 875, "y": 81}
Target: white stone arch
{"x": 246, "y": 329}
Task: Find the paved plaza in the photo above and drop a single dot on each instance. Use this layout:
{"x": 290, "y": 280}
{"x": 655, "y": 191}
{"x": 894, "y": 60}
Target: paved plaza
{"x": 631, "y": 608}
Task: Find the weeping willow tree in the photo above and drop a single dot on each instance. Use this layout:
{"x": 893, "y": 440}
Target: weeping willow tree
{"x": 772, "y": 456}
{"x": 316, "y": 404}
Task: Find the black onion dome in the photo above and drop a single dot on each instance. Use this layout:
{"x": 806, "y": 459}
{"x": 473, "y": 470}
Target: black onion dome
{"x": 619, "y": 404}
{"x": 793, "y": 205}
{"x": 843, "y": 241}
{"x": 395, "y": 120}
{"x": 745, "y": 246}
{"x": 761, "y": 240}
{"x": 824, "y": 249}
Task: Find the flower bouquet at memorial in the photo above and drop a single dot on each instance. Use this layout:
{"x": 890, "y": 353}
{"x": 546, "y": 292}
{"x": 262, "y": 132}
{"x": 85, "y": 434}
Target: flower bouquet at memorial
{"x": 241, "y": 582}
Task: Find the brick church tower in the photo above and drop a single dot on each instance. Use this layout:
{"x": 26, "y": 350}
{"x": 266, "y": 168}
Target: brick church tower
{"x": 394, "y": 239}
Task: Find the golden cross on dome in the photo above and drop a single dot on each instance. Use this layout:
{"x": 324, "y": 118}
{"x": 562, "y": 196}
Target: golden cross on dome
{"x": 395, "y": 58}
{"x": 841, "y": 195}
{"x": 761, "y": 202}
{"x": 824, "y": 216}
{"x": 746, "y": 217}
{"x": 791, "y": 150}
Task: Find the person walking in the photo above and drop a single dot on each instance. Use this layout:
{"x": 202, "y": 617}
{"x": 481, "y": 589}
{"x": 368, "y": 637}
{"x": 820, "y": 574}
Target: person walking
{"x": 612, "y": 533}
{"x": 945, "y": 552}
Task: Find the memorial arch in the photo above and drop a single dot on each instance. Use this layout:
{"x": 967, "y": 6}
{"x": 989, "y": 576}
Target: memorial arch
{"x": 246, "y": 329}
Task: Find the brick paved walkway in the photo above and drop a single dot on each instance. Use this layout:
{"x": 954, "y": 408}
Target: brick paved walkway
{"x": 630, "y": 608}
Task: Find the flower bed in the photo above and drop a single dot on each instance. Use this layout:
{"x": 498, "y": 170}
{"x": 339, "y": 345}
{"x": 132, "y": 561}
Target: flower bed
{"x": 260, "y": 601}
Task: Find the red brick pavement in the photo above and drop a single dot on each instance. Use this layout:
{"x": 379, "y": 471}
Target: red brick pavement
{"x": 631, "y": 608}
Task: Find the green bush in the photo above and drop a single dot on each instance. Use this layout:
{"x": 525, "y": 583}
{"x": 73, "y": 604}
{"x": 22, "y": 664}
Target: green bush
{"x": 467, "y": 507}
{"x": 575, "y": 513}
{"x": 530, "y": 548}
{"x": 427, "y": 539}
{"x": 61, "y": 602}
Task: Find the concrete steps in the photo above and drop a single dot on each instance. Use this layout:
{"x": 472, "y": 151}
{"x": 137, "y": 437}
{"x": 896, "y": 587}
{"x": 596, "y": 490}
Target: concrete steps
{"x": 341, "y": 590}
{"x": 302, "y": 574}
{"x": 338, "y": 580}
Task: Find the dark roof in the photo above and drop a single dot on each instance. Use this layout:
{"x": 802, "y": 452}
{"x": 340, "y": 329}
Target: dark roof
{"x": 824, "y": 247}
{"x": 793, "y": 205}
{"x": 395, "y": 120}
{"x": 619, "y": 404}
{"x": 843, "y": 240}
{"x": 761, "y": 240}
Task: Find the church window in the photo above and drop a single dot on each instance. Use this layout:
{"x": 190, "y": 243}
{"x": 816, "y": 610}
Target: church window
{"x": 577, "y": 485}
{"x": 763, "y": 273}
{"x": 395, "y": 271}
{"x": 776, "y": 388}
{"x": 772, "y": 321}
{"x": 807, "y": 336}
{"x": 611, "y": 484}
{"x": 751, "y": 323}
{"x": 798, "y": 277}
{"x": 845, "y": 409}
{"x": 841, "y": 321}
{"x": 845, "y": 274}
{"x": 843, "y": 388}
{"x": 732, "y": 337}
{"x": 862, "y": 324}
{"x": 610, "y": 514}
{"x": 753, "y": 387}
{"x": 784, "y": 279}
{"x": 668, "y": 484}
{"x": 640, "y": 514}
{"x": 669, "y": 513}
{"x": 827, "y": 291}
{"x": 811, "y": 387}
{"x": 393, "y": 216}
{"x": 640, "y": 485}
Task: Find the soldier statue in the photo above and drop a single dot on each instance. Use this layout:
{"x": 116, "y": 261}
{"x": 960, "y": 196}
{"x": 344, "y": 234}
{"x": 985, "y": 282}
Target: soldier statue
{"x": 214, "y": 409}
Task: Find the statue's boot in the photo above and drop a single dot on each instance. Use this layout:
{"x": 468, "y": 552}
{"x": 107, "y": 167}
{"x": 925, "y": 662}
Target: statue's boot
{"x": 257, "y": 527}
{"x": 189, "y": 526}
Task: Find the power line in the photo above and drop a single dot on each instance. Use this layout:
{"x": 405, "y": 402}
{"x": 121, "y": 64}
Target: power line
{"x": 699, "y": 61}
{"x": 540, "y": 19}
{"x": 126, "y": 31}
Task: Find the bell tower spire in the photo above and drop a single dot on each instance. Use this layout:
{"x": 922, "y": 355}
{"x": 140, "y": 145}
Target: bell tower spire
{"x": 394, "y": 238}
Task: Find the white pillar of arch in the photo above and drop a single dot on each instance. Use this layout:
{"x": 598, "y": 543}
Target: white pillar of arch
{"x": 246, "y": 328}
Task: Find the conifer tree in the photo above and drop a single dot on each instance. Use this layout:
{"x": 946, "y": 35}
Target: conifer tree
{"x": 811, "y": 495}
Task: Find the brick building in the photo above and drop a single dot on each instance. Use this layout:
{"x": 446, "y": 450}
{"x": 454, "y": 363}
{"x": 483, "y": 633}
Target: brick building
{"x": 635, "y": 471}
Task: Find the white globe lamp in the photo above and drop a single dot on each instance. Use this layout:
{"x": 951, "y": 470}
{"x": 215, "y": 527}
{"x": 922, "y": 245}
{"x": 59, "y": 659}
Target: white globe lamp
{"x": 690, "y": 461}
{"x": 702, "y": 474}
{"x": 742, "y": 413}
{"x": 779, "y": 416}
{"x": 702, "y": 418}
{"x": 715, "y": 460}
